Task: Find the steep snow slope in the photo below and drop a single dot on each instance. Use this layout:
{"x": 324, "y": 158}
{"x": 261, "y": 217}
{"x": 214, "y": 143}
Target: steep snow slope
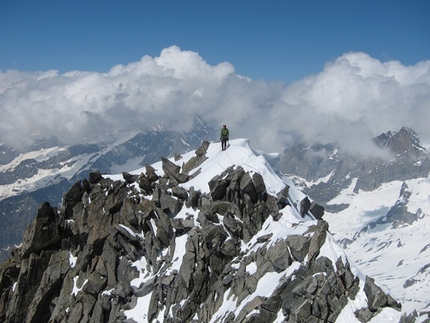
{"x": 397, "y": 257}
{"x": 238, "y": 154}
{"x": 291, "y": 223}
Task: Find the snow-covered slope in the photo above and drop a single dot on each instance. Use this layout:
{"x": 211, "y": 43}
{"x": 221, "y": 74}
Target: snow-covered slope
{"x": 214, "y": 236}
{"x": 397, "y": 257}
{"x": 378, "y": 209}
{"x": 290, "y": 223}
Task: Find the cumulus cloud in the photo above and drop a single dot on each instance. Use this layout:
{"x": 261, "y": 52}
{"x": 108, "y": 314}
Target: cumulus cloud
{"x": 352, "y": 99}
{"x": 355, "y": 98}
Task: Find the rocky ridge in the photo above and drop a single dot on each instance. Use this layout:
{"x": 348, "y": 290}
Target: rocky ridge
{"x": 377, "y": 209}
{"x": 47, "y": 170}
{"x": 114, "y": 245}
{"x": 407, "y": 159}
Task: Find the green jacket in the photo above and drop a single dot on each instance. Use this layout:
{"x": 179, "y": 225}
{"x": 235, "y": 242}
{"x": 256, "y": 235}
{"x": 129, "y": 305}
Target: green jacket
{"x": 224, "y": 133}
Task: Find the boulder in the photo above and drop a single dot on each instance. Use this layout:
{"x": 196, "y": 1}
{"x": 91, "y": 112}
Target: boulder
{"x": 197, "y": 160}
{"x": 376, "y": 298}
{"x": 180, "y": 192}
{"x": 305, "y": 205}
{"x": 193, "y": 198}
{"x": 95, "y": 177}
{"x": 246, "y": 186}
{"x": 151, "y": 174}
{"x": 145, "y": 184}
{"x": 316, "y": 210}
{"x": 129, "y": 178}
{"x": 218, "y": 188}
{"x": 172, "y": 171}
{"x": 170, "y": 203}
{"x": 299, "y": 246}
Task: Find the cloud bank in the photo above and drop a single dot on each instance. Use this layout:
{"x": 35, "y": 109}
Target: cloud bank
{"x": 353, "y": 99}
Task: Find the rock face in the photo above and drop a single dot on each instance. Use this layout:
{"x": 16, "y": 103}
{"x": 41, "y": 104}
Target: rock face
{"x": 26, "y": 181}
{"x": 406, "y": 159}
{"x": 77, "y": 264}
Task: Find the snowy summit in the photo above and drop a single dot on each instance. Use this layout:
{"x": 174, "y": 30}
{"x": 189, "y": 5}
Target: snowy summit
{"x": 210, "y": 236}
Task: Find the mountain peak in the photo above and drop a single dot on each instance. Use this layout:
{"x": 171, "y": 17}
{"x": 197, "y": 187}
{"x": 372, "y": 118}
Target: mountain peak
{"x": 214, "y": 236}
{"x": 404, "y": 142}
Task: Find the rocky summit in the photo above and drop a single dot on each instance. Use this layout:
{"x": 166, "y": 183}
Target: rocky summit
{"x": 210, "y": 236}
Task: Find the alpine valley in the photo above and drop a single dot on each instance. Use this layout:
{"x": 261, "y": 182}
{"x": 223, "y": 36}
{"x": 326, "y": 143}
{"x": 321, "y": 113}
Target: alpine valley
{"x": 46, "y": 170}
{"x": 166, "y": 227}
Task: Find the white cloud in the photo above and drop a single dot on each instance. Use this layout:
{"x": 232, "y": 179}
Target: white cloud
{"x": 355, "y": 98}
{"x": 351, "y": 100}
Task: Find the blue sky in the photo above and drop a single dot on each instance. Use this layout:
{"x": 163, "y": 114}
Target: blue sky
{"x": 337, "y": 71}
{"x": 270, "y": 40}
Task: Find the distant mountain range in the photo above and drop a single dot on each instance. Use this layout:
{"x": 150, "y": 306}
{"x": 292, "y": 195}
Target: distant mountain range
{"x": 48, "y": 169}
{"x": 377, "y": 207}
{"x": 208, "y": 236}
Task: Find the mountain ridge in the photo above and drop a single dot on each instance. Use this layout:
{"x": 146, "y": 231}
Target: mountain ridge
{"x": 377, "y": 210}
{"x": 226, "y": 241}
{"x": 49, "y": 168}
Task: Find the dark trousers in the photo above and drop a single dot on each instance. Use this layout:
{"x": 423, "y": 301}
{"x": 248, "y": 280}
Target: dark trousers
{"x": 224, "y": 143}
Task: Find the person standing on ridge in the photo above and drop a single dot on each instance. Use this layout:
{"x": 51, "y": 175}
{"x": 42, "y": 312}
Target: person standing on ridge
{"x": 224, "y": 137}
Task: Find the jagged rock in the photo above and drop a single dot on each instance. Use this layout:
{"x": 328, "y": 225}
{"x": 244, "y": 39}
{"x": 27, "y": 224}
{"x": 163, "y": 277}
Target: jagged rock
{"x": 145, "y": 288}
{"x": 201, "y": 151}
{"x": 43, "y": 232}
{"x": 272, "y": 204}
{"x": 151, "y": 174}
{"x": 282, "y": 197}
{"x": 316, "y": 210}
{"x": 255, "y": 303}
{"x": 246, "y": 186}
{"x": 260, "y": 187}
{"x": 349, "y": 281}
{"x": 169, "y": 203}
{"x": 197, "y": 160}
{"x": 305, "y": 205}
{"x": 182, "y": 225}
{"x": 193, "y": 198}
{"x": 73, "y": 197}
{"x": 376, "y": 298}
{"x": 278, "y": 258}
{"x": 217, "y": 207}
{"x": 253, "y": 217}
{"x": 364, "y": 315}
{"x": 173, "y": 172}
{"x": 264, "y": 238}
{"x": 231, "y": 177}
{"x": 180, "y": 192}
{"x": 86, "y": 268}
{"x": 411, "y": 318}
{"x": 145, "y": 184}
{"x": 318, "y": 238}
{"x": 230, "y": 248}
{"x": 299, "y": 246}
{"x": 233, "y": 225}
{"x": 95, "y": 177}
{"x": 95, "y": 284}
{"x": 129, "y": 178}
{"x": 218, "y": 188}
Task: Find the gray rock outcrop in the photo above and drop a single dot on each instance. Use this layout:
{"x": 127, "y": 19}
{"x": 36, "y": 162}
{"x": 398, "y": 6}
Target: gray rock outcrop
{"x": 76, "y": 264}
